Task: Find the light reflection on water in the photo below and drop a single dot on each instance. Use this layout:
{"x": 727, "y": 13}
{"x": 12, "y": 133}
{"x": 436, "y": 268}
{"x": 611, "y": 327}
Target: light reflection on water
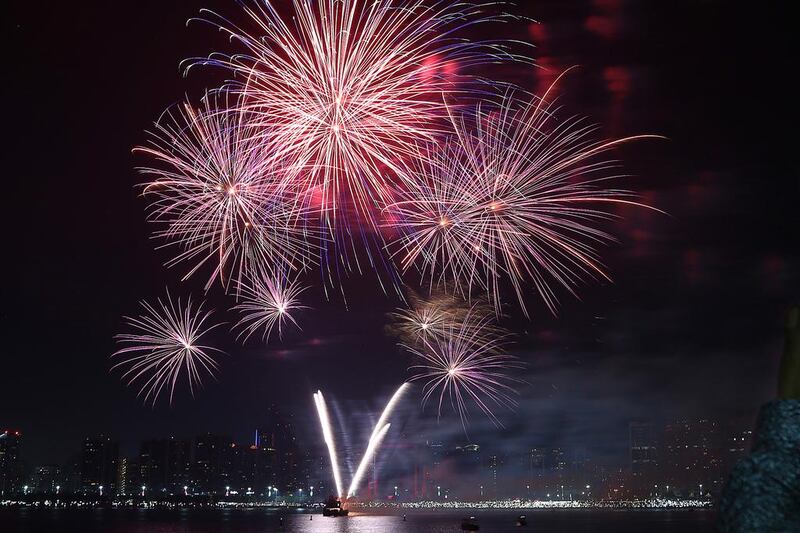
{"x": 262, "y": 520}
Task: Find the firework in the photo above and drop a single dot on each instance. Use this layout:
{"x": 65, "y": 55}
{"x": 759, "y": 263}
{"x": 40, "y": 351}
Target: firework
{"x": 375, "y": 439}
{"x": 218, "y": 197}
{"x": 372, "y": 447}
{"x": 165, "y": 348}
{"x": 327, "y": 433}
{"x": 423, "y": 318}
{"x": 268, "y": 303}
{"x": 467, "y": 365}
{"x": 513, "y": 196}
{"x": 437, "y": 316}
{"x": 349, "y": 86}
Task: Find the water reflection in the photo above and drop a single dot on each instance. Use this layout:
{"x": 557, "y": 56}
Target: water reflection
{"x": 262, "y": 520}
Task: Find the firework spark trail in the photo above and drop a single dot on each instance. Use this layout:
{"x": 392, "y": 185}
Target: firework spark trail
{"x": 166, "y": 344}
{"x": 327, "y": 433}
{"x": 372, "y": 448}
{"x": 469, "y": 363}
{"x": 376, "y": 437}
{"x": 349, "y": 86}
{"x": 221, "y": 200}
{"x": 517, "y": 199}
{"x": 267, "y": 303}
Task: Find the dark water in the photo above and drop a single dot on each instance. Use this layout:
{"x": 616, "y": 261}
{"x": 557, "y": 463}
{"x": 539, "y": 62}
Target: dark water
{"x": 263, "y": 520}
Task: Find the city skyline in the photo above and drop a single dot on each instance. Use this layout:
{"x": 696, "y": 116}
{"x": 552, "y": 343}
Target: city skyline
{"x": 679, "y": 457}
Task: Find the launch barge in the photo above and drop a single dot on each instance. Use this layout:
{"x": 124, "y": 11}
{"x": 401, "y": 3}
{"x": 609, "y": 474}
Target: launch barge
{"x": 333, "y": 507}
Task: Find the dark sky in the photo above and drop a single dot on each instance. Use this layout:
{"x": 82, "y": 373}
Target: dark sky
{"x": 691, "y": 325}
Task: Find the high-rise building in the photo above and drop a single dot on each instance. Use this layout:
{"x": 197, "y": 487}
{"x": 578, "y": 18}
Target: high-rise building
{"x": 99, "y": 458}
{"x": 153, "y": 465}
{"x": 71, "y": 474}
{"x": 10, "y": 463}
{"x": 643, "y": 448}
{"x": 287, "y": 460}
{"x": 44, "y": 479}
{"x": 536, "y": 461}
{"x": 129, "y": 478}
{"x": 693, "y": 456}
{"x": 210, "y": 471}
{"x": 179, "y": 460}
{"x": 164, "y": 464}
{"x": 558, "y": 459}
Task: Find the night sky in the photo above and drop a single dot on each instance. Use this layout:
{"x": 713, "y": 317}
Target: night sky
{"x": 691, "y": 325}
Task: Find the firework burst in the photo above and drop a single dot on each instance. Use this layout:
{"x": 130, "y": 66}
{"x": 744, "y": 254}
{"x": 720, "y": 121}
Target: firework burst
{"x": 423, "y": 318}
{"x": 165, "y": 348}
{"x": 268, "y": 303}
{"x": 514, "y": 195}
{"x": 468, "y": 364}
{"x": 218, "y": 197}
{"x": 348, "y": 87}
{"x": 434, "y": 316}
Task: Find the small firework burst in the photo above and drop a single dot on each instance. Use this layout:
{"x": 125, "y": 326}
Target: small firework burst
{"x": 423, "y": 318}
{"x": 468, "y": 364}
{"x": 166, "y": 348}
{"x": 518, "y": 199}
{"x": 268, "y": 303}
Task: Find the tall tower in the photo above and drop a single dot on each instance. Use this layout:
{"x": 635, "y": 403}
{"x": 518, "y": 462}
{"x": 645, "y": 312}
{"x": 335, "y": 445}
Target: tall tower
{"x": 99, "y": 458}
{"x": 10, "y": 464}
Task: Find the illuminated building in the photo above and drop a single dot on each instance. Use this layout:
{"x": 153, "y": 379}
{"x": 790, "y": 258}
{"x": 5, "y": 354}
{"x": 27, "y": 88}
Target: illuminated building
{"x": 44, "y": 479}
{"x": 98, "y": 467}
{"x": 10, "y": 464}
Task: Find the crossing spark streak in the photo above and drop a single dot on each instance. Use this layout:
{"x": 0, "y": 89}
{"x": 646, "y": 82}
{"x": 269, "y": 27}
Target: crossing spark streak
{"x": 517, "y": 196}
{"x": 375, "y": 439}
{"x": 165, "y": 345}
{"x": 218, "y": 197}
{"x": 467, "y": 365}
{"x": 349, "y": 86}
{"x": 267, "y": 303}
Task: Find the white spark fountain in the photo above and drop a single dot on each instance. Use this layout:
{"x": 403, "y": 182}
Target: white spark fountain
{"x": 375, "y": 439}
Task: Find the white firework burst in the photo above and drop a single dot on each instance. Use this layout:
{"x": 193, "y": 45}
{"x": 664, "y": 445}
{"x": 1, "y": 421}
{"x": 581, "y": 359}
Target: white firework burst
{"x": 165, "y": 347}
{"x": 267, "y": 304}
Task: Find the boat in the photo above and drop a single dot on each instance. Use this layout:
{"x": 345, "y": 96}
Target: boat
{"x": 522, "y": 521}
{"x": 333, "y": 507}
{"x": 470, "y": 524}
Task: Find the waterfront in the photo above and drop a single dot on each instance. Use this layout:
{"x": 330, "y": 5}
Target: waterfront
{"x": 265, "y": 520}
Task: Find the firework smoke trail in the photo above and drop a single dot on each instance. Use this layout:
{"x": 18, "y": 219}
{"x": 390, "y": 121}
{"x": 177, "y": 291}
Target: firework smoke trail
{"x": 517, "y": 199}
{"x": 469, "y": 363}
{"x": 376, "y": 437}
{"x": 165, "y": 344}
{"x": 347, "y": 88}
{"x": 220, "y": 199}
{"x": 327, "y": 433}
{"x": 267, "y": 302}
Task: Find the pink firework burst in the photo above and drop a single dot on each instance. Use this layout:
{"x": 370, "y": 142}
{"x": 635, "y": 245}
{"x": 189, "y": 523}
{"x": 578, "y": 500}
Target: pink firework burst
{"x": 165, "y": 347}
{"x": 467, "y": 364}
{"x": 513, "y": 196}
{"x": 219, "y": 199}
{"x": 268, "y": 303}
{"x": 349, "y": 86}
